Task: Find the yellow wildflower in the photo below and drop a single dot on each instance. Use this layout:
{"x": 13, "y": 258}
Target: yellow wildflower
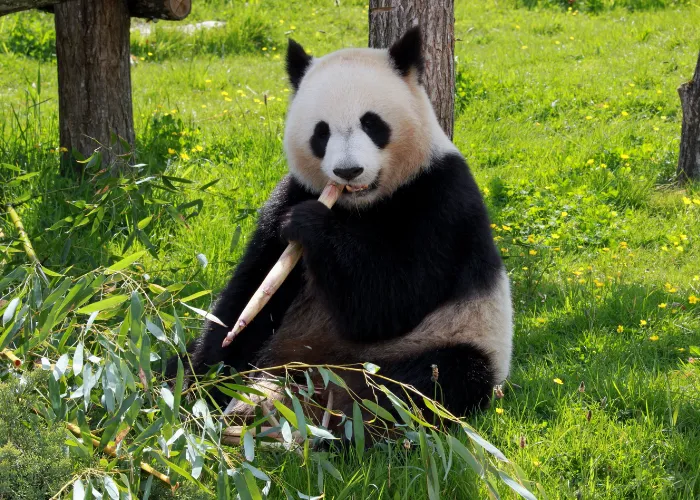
{"x": 558, "y": 381}
{"x": 620, "y": 328}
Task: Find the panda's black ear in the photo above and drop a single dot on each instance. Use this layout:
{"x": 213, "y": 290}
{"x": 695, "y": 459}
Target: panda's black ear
{"x": 297, "y": 63}
{"x": 407, "y": 53}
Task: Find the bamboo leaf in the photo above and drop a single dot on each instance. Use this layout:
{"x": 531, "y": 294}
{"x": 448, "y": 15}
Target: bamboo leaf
{"x": 103, "y": 304}
{"x": 484, "y": 444}
{"x": 125, "y": 262}
{"x": 358, "y": 430}
{"x": 249, "y": 446}
{"x": 516, "y": 486}
{"x": 378, "y": 410}
{"x": 206, "y": 315}
{"x": 10, "y": 311}
{"x": 286, "y": 412}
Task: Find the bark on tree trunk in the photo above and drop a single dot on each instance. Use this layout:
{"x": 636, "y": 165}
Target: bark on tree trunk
{"x": 389, "y": 19}
{"x": 9, "y": 6}
{"x": 172, "y": 10}
{"x": 689, "y": 157}
{"x": 94, "y": 78}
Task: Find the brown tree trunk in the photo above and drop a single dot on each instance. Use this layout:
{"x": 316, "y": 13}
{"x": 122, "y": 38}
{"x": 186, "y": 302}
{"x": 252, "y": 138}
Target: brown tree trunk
{"x": 9, "y": 6}
{"x": 173, "y": 10}
{"x": 94, "y": 78}
{"x": 389, "y": 19}
{"x": 689, "y": 157}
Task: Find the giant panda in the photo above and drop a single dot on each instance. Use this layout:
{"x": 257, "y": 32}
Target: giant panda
{"x": 402, "y": 271}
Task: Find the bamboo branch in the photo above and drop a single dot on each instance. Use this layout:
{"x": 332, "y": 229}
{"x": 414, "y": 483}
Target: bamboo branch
{"x": 112, "y": 452}
{"x": 279, "y": 272}
{"x": 26, "y": 243}
{"x": 11, "y": 356}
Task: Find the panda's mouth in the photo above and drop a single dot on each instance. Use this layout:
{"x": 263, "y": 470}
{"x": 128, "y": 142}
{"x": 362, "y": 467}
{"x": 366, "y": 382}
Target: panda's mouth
{"x": 361, "y": 189}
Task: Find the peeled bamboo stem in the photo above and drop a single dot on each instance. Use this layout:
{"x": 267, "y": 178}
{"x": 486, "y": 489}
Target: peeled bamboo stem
{"x": 11, "y": 356}
{"x": 279, "y": 272}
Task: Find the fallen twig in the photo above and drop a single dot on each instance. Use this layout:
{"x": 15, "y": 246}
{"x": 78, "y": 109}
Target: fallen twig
{"x": 279, "y": 272}
{"x": 112, "y": 452}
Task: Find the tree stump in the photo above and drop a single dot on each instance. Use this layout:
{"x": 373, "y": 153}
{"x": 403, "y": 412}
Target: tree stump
{"x": 94, "y": 77}
{"x": 389, "y": 19}
{"x": 689, "y": 156}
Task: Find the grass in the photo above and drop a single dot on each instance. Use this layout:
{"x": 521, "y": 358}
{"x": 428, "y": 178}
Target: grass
{"x": 569, "y": 120}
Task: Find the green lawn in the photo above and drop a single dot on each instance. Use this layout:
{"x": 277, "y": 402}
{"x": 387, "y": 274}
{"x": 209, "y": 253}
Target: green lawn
{"x": 570, "y": 122}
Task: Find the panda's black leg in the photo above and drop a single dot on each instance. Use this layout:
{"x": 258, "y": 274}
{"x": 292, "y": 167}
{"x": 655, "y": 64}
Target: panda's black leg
{"x": 464, "y": 380}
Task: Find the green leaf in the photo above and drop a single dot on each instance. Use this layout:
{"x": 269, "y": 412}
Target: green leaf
{"x": 179, "y": 380}
{"x": 466, "y": 455}
{"x": 143, "y": 223}
{"x": 125, "y": 262}
{"x": 195, "y": 295}
{"x": 378, "y": 410}
{"x": 516, "y": 486}
{"x": 249, "y": 446}
{"x": 358, "y": 430}
{"x": 299, "y": 413}
{"x": 222, "y": 487}
{"x": 484, "y": 444}
{"x": 286, "y": 412}
{"x": 103, "y": 304}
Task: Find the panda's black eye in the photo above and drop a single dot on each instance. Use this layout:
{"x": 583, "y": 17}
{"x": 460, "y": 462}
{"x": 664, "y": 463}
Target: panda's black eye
{"x": 377, "y": 129}
{"x": 319, "y": 140}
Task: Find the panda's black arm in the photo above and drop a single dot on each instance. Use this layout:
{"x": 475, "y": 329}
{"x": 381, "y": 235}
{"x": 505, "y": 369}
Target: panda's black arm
{"x": 263, "y": 250}
{"x": 382, "y": 270}
{"x": 378, "y": 281}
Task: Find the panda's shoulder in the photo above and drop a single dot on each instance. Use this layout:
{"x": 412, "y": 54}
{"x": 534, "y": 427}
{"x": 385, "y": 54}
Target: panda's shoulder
{"x": 286, "y": 193}
{"x": 447, "y": 179}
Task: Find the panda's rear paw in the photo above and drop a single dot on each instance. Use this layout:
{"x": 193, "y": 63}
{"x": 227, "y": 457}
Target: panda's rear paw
{"x": 303, "y": 221}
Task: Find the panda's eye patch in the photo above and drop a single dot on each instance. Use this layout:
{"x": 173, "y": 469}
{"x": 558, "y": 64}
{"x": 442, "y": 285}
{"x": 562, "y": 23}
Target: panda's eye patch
{"x": 377, "y": 129}
{"x": 319, "y": 140}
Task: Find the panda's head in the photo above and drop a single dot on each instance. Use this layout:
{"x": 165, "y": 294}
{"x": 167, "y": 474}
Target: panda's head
{"x": 360, "y": 117}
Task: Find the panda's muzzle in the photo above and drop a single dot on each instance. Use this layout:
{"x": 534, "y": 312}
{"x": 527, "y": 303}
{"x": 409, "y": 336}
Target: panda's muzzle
{"x": 348, "y": 173}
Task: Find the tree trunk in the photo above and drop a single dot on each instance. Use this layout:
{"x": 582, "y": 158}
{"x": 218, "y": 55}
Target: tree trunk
{"x": 172, "y": 10}
{"x": 94, "y": 78}
{"x": 689, "y": 157}
{"x": 389, "y": 19}
{"x": 9, "y": 6}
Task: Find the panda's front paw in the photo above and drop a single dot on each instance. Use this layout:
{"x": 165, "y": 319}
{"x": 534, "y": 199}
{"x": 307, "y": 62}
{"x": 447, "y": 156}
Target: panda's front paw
{"x": 303, "y": 221}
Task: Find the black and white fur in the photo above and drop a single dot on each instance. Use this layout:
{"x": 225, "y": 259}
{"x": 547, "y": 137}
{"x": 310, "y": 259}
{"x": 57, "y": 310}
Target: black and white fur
{"x": 402, "y": 272}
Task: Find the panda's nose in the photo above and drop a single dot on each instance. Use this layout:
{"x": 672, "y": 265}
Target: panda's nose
{"x": 348, "y": 173}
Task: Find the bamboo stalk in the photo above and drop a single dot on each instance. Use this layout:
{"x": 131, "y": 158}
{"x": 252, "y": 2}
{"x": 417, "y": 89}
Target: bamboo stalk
{"x": 24, "y": 237}
{"x": 11, "y": 356}
{"x": 112, "y": 452}
{"x": 279, "y": 272}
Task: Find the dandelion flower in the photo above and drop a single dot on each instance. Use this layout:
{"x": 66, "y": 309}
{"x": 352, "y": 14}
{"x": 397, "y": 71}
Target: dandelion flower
{"x": 558, "y": 381}
{"x": 524, "y": 47}
{"x": 642, "y": 322}
{"x": 620, "y": 328}
{"x": 224, "y": 93}
{"x": 589, "y": 117}
{"x": 171, "y": 151}
{"x": 693, "y": 299}
{"x": 184, "y": 156}
{"x": 654, "y": 338}
{"x": 625, "y": 157}
{"x": 590, "y": 162}
{"x": 533, "y": 252}
{"x": 624, "y": 113}
{"x": 500, "y": 411}
{"x": 662, "y": 305}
